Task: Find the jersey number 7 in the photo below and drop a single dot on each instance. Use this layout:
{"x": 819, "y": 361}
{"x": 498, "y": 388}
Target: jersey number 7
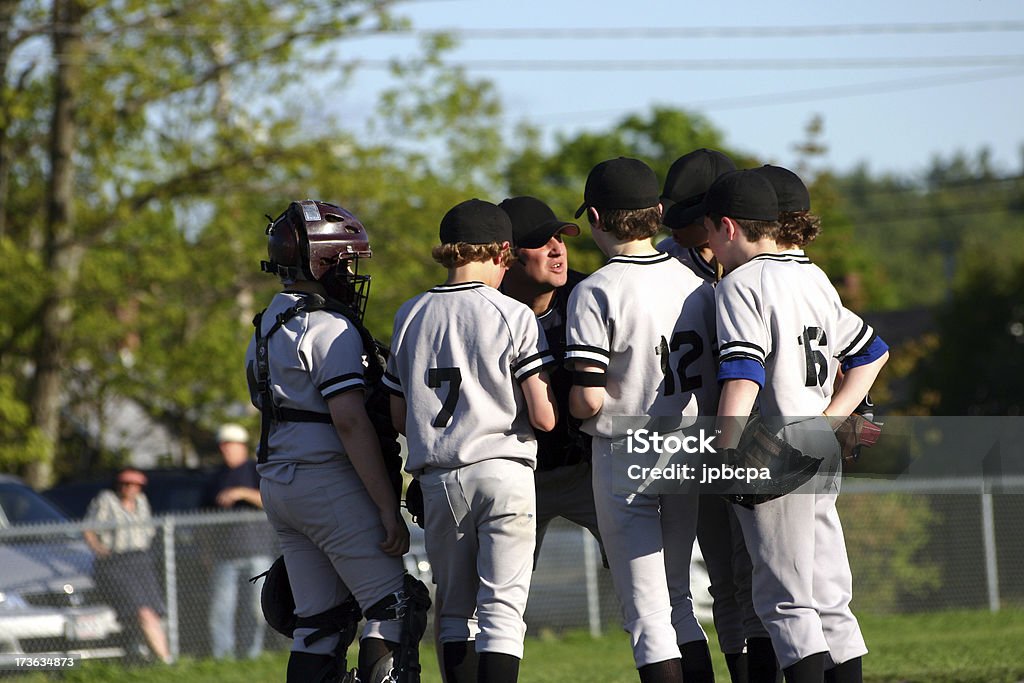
{"x": 435, "y": 378}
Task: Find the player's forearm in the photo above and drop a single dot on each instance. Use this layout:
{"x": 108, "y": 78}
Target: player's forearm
{"x": 734, "y": 406}
{"x": 586, "y": 397}
{"x": 398, "y": 412}
{"x": 540, "y": 402}
{"x": 363, "y": 448}
{"x": 855, "y": 386}
{"x": 363, "y": 451}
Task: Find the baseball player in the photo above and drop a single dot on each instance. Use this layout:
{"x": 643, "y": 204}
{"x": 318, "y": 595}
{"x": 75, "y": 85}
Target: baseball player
{"x": 324, "y": 485}
{"x": 741, "y": 636}
{"x": 783, "y": 334}
{"x": 540, "y": 277}
{"x": 467, "y": 372}
{"x": 688, "y": 178}
{"x": 639, "y": 342}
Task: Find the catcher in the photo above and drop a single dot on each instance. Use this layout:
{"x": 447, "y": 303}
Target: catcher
{"x": 328, "y": 490}
{"x": 783, "y": 334}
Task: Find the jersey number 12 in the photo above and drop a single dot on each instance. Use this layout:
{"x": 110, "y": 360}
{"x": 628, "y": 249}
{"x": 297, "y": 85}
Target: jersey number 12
{"x": 678, "y": 374}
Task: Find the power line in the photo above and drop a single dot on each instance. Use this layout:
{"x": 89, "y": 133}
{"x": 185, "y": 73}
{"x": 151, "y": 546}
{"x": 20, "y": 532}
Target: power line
{"x": 810, "y": 95}
{"x": 605, "y": 65}
{"x": 663, "y": 32}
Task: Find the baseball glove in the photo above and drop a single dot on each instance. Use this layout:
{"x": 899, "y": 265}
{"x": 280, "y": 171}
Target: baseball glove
{"x": 414, "y": 502}
{"x": 759, "y": 449}
{"x": 856, "y": 432}
{"x": 276, "y": 598}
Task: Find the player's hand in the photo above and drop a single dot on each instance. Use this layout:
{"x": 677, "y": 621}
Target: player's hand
{"x": 396, "y": 542}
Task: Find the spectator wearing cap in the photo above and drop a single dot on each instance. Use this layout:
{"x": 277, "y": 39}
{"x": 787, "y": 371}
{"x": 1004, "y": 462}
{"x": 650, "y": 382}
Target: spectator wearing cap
{"x": 688, "y": 178}
{"x": 541, "y": 278}
{"x": 468, "y": 376}
{"x": 125, "y": 573}
{"x": 638, "y": 342}
{"x": 240, "y": 549}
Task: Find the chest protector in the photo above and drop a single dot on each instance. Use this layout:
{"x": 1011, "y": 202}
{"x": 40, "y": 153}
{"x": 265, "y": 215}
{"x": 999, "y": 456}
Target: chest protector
{"x": 377, "y": 398}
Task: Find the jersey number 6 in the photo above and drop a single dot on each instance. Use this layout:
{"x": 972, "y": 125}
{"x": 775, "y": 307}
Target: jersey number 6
{"x": 435, "y": 378}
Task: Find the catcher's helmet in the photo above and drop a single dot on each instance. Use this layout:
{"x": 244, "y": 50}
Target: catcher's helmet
{"x": 314, "y": 240}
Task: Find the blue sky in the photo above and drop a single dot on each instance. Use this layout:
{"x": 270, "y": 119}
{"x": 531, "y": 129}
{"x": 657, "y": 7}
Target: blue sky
{"x": 894, "y": 118}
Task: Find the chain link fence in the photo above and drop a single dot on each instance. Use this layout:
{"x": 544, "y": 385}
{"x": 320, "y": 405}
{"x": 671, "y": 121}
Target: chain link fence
{"x": 913, "y": 546}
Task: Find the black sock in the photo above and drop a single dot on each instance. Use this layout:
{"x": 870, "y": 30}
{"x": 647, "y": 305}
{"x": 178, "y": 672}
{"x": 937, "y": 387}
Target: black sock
{"x": 668, "y": 671}
{"x": 848, "y": 672}
{"x": 497, "y": 667}
{"x": 810, "y": 669}
{"x": 370, "y": 652}
{"x": 762, "y": 667}
{"x": 696, "y": 663}
{"x": 737, "y": 663}
{"x": 460, "y": 661}
{"x": 305, "y": 667}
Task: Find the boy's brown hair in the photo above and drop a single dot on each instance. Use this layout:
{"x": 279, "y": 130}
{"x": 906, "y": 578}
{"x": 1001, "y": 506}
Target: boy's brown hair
{"x": 752, "y": 230}
{"x": 460, "y": 253}
{"x": 798, "y": 227}
{"x": 631, "y": 224}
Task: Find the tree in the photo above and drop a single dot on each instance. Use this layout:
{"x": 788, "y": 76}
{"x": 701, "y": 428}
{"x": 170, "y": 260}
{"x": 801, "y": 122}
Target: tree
{"x": 144, "y": 118}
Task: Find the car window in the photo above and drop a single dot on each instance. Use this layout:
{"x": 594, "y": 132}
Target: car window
{"x": 22, "y": 505}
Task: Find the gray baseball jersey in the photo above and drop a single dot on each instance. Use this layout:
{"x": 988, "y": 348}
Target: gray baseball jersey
{"x": 308, "y": 484}
{"x": 649, "y": 322}
{"x": 313, "y": 357}
{"x": 718, "y": 530}
{"x": 689, "y": 257}
{"x": 458, "y": 354}
{"x": 782, "y": 324}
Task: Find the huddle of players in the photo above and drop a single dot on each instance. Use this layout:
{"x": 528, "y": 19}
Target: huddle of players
{"x": 478, "y": 378}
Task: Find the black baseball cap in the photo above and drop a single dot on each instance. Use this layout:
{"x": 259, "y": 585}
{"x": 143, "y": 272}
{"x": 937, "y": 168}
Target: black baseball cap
{"x": 686, "y": 182}
{"x": 533, "y": 222}
{"x": 475, "y": 221}
{"x": 622, "y": 183}
{"x": 743, "y": 194}
{"x": 789, "y": 189}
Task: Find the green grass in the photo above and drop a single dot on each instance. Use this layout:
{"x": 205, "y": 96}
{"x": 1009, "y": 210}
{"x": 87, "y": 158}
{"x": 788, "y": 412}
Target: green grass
{"x": 945, "y": 647}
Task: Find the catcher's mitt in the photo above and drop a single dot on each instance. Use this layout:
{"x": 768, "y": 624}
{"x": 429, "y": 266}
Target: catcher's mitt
{"x": 414, "y": 502}
{"x": 276, "y": 598}
{"x": 855, "y": 432}
{"x": 759, "y": 449}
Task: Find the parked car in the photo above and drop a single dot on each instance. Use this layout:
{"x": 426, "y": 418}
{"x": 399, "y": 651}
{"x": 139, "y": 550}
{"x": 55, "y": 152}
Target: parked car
{"x": 47, "y": 602}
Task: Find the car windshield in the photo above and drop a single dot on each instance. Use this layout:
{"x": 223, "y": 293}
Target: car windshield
{"x": 21, "y": 505}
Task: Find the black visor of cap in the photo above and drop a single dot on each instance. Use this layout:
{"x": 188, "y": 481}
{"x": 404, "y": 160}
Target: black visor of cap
{"x": 686, "y": 182}
{"x": 533, "y": 222}
{"x": 475, "y": 222}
